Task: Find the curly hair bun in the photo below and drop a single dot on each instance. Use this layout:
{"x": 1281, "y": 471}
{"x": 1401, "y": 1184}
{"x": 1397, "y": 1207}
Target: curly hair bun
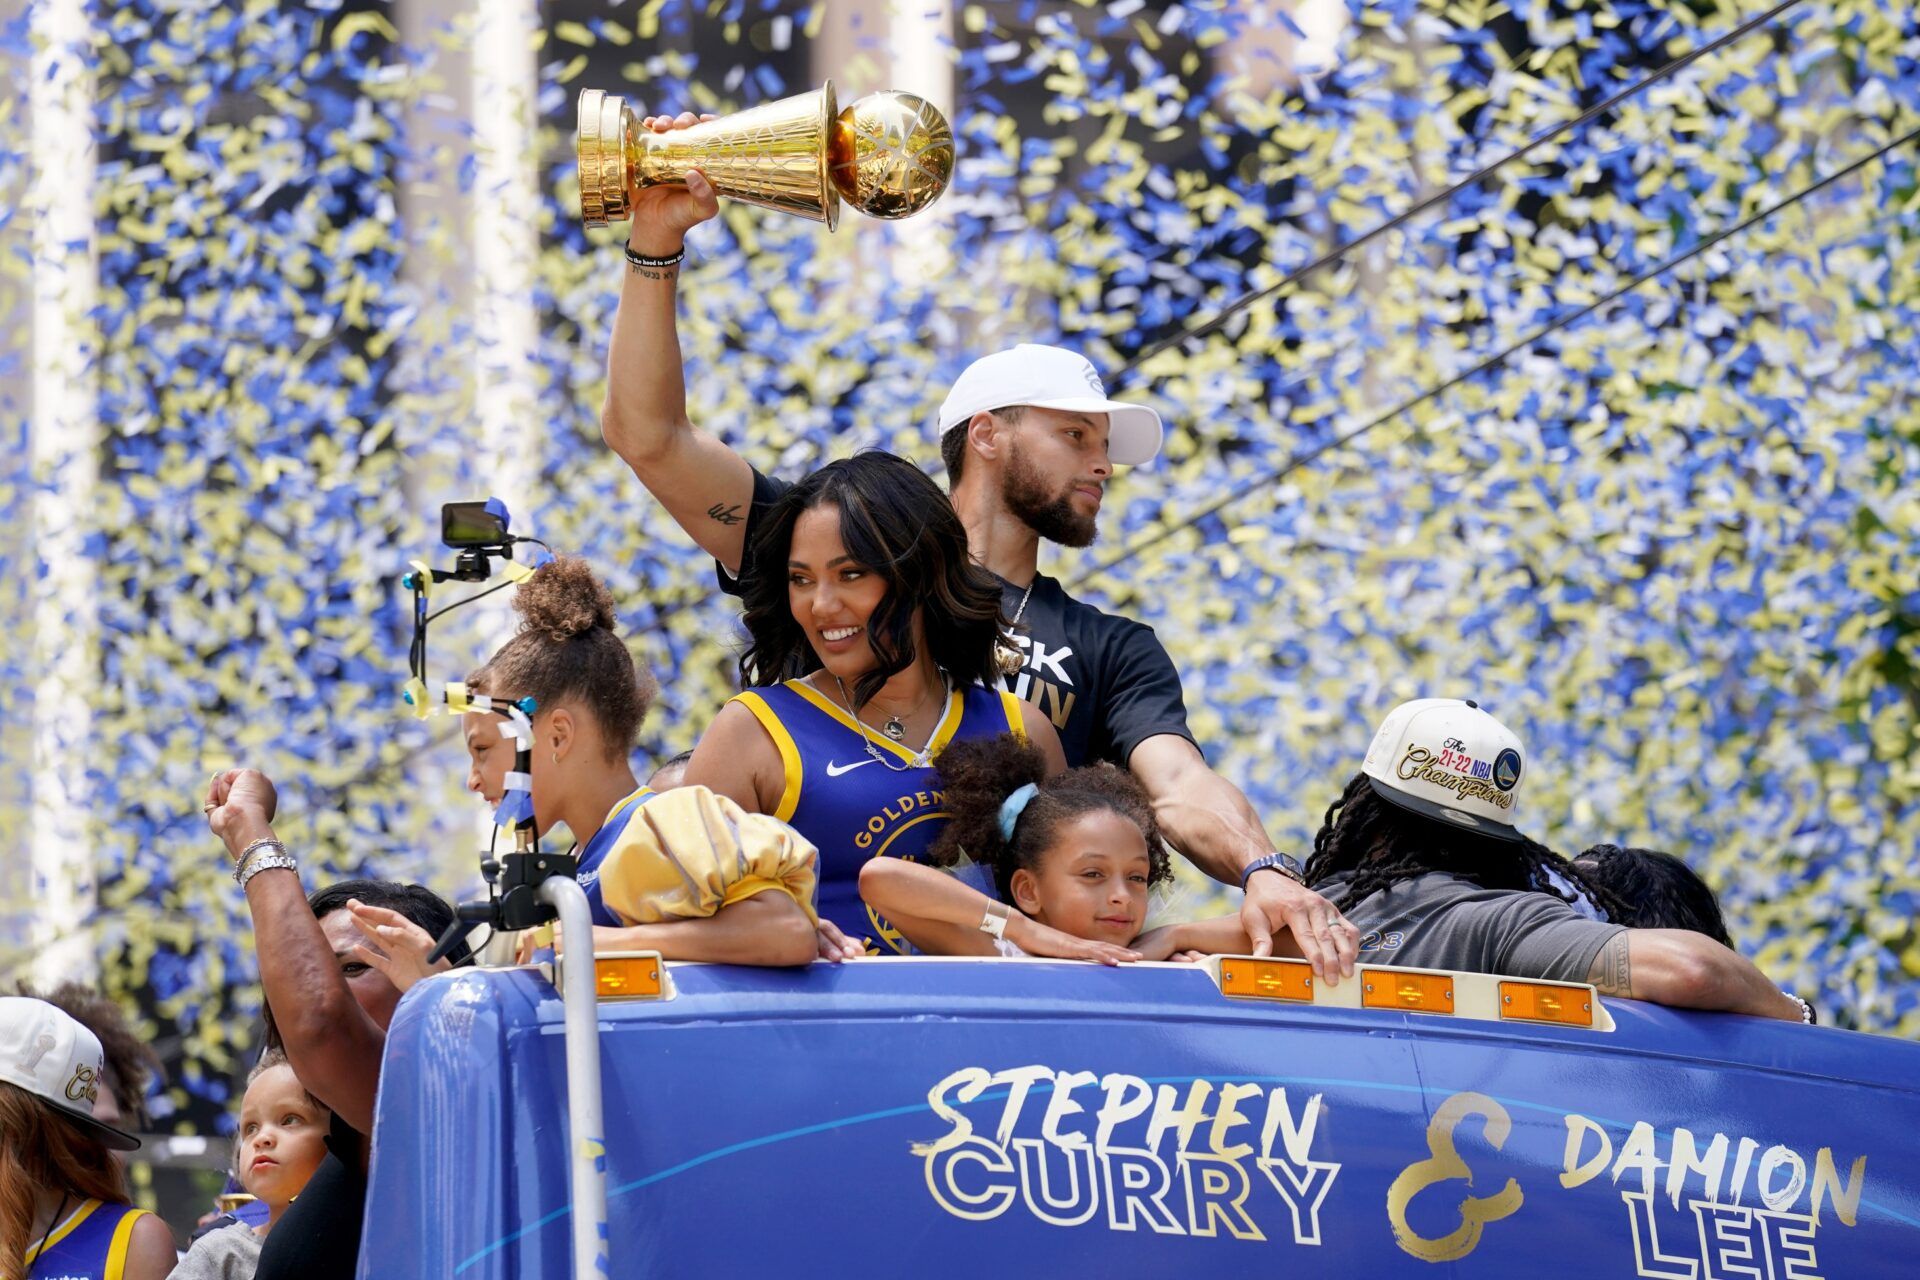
{"x": 563, "y": 599}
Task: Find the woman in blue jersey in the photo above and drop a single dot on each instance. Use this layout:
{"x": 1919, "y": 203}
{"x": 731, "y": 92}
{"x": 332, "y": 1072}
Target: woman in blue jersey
{"x": 63, "y": 1198}
{"x": 870, "y": 653}
{"x": 590, "y": 697}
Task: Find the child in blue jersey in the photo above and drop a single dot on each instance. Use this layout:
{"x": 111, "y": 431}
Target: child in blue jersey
{"x": 1073, "y": 855}
{"x": 63, "y": 1198}
{"x": 590, "y": 698}
{"x": 870, "y": 654}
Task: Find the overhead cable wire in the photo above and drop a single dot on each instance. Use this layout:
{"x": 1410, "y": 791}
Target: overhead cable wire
{"x": 1186, "y": 520}
{"x": 1479, "y": 175}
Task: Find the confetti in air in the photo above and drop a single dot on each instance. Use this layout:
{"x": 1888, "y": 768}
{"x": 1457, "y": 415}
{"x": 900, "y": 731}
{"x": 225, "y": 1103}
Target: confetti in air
{"x": 1673, "y": 545}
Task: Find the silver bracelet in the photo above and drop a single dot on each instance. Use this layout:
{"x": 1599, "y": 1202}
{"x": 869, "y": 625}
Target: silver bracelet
{"x": 266, "y": 862}
{"x": 240, "y": 863}
{"x": 1806, "y": 1009}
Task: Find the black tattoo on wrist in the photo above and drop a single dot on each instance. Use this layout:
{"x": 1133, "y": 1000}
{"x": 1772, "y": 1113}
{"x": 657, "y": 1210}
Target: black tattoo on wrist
{"x": 652, "y": 273}
{"x": 727, "y": 515}
{"x": 1611, "y": 974}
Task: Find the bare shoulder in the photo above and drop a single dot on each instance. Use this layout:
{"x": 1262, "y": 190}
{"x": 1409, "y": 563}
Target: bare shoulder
{"x": 1041, "y": 733}
{"x": 737, "y": 758}
{"x": 150, "y": 1252}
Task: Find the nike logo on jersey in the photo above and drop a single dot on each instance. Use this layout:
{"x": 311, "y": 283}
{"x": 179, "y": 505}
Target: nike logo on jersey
{"x": 835, "y": 770}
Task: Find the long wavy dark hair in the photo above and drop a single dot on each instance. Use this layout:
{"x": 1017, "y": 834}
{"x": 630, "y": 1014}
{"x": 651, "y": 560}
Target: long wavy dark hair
{"x": 895, "y": 522}
{"x": 1659, "y": 890}
{"x": 978, "y": 774}
{"x": 1379, "y": 844}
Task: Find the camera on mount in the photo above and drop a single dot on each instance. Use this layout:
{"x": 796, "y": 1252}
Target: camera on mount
{"x": 476, "y": 530}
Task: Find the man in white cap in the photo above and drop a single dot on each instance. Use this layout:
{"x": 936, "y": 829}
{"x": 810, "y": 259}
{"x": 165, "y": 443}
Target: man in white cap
{"x": 1030, "y": 440}
{"x": 1424, "y": 853}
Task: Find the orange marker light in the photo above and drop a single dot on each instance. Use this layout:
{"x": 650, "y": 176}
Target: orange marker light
{"x": 626, "y": 977}
{"x": 1542, "y": 1002}
{"x": 1427, "y": 992}
{"x": 1267, "y": 979}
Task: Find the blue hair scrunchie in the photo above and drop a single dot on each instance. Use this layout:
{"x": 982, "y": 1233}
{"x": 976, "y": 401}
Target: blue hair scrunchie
{"x": 1013, "y": 806}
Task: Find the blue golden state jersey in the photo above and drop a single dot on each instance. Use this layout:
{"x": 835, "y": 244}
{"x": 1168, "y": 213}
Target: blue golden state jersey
{"x": 594, "y": 852}
{"x": 89, "y": 1244}
{"x": 854, "y": 807}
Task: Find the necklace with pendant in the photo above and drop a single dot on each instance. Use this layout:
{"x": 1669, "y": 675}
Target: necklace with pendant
{"x": 895, "y": 727}
{"x": 1006, "y": 654}
{"x": 895, "y": 730}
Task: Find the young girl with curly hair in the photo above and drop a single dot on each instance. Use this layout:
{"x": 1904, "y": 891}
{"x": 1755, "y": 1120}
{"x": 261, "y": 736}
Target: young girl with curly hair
{"x": 1072, "y": 858}
{"x": 590, "y": 697}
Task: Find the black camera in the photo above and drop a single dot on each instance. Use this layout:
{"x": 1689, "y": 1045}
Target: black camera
{"x": 476, "y": 530}
{"x": 474, "y": 524}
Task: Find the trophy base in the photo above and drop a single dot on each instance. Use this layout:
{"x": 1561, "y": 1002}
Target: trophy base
{"x": 600, "y": 152}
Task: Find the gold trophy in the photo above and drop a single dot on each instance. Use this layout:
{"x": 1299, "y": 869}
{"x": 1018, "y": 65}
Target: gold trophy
{"x": 889, "y": 154}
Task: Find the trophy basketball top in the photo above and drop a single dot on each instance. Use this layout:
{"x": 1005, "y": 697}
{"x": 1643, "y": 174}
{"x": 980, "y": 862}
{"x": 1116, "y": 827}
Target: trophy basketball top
{"x": 889, "y": 155}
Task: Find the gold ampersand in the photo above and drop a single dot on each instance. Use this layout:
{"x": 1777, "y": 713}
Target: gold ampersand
{"x": 1444, "y": 1165}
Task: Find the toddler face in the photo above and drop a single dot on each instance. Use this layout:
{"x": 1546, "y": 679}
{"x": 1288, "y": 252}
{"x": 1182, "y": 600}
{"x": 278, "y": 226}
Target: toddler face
{"x": 282, "y": 1136}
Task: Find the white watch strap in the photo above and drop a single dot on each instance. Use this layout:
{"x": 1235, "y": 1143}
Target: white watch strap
{"x": 994, "y": 922}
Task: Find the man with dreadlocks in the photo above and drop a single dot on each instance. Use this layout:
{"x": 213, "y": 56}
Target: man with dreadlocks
{"x": 1421, "y": 852}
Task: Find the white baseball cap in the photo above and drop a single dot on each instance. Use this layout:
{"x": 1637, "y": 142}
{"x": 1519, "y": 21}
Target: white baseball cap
{"x": 46, "y": 1052}
{"x": 1051, "y": 378}
{"x": 1446, "y": 759}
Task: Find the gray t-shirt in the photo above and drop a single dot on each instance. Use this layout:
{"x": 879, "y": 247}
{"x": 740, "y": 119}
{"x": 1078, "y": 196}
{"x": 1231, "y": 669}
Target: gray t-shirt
{"x": 231, "y": 1253}
{"x": 1436, "y": 921}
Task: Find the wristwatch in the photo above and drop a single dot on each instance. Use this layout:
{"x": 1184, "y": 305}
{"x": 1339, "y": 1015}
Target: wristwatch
{"x": 994, "y": 923}
{"x": 1285, "y": 863}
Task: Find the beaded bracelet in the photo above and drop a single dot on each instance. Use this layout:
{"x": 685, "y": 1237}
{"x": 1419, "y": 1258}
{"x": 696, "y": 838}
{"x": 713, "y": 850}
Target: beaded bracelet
{"x": 1806, "y": 1008}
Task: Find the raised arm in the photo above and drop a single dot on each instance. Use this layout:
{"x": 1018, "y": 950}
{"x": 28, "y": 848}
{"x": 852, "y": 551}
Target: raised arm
{"x": 1689, "y": 971}
{"x": 942, "y": 916}
{"x": 1208, "y": 819}
{"x": 705, "y": 486}
{"x": 333, "y": 1045}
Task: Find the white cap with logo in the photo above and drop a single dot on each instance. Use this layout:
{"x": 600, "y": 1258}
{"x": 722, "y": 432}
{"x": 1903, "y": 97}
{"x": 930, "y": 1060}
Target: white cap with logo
{"x": 1051, "y": 378}
{"x": 1446, "y": 759}
{"x": 55, "y": 1058}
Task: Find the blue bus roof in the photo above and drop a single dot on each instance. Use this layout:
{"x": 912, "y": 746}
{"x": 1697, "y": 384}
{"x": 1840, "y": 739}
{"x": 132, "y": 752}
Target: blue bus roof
{"x": 941, "y": 1116}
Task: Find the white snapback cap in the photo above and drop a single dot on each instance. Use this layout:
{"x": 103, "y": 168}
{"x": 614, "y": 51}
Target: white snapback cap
{"x": 1051, "y": 378}
{"x": 1448, "y": 760}
{"x": 55, "y": 1058}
